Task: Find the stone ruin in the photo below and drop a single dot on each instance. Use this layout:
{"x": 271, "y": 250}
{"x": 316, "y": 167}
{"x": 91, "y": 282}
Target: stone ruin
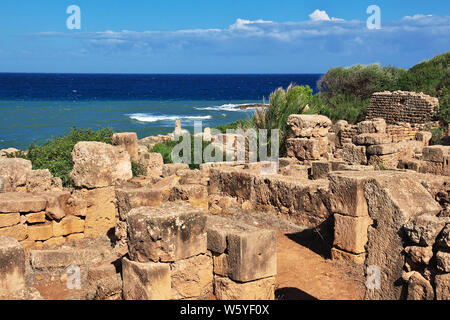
{"x": 376, "y": 191}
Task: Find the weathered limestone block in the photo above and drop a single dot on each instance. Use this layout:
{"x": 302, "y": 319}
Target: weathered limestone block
{"x": 435, "y": 153}
{"x": 42, "y": 180}
{"x": 304, "y": 149}
{"x": 393, "y": 199}
{"x": 21, "y": 202}
{"x": 350, "y": 233}
{"x": 192, "y": 177}
{"x": 35, "y": 217}
{"x": 232, "y": 182}
{"x": 146, "y": 281}
{"x": 99, "y": 209}
{"x": 41, "y": 231}
{"x": 250, "y": 252}
{"x": 56, "y": 203}
{"x": 443, "y": 261}
{"x": 227, "y": 289}
{"x": 320, "y": 169}
{"x": 372, "y": 139}
{"x": 153, "y": 164}
{"x": 165, "y": 186}
{"x": 337, "y": 254}
{"x": 63, "y": 258}
{"x": 420, "y": 255}
{"x": 14, "y": 171}
{"x": 419, "y": 288}
{"x": 347, "y": 194}
{"x": 377, "y": 125}
{"x": 105, "y": 282}
{"x": 170, "y": 169}
{"x": 304, "y": 201}
{"x": 192, "y": 278}
{"x": 296, "y": 170}
{"x": 387, "y": 161}
{"x": 68, "y": 225}
{"x": 195, "y": 194}
{"x": 354, "y": 154}
{"x": 173, "y": 231}
{"x": 424, "y": 229}
{"x": 9, "y": 219}
{"x": 18, "y": 232}
{"x": 99, "y": 165}
{"x": 12, "y": 266}
{"x": 130, "y": 198}
{"x": 303, "y": 125}
{"x": 424, "y": 137}
{"x": 382, "y": 149}
{"x": 129, "y": 141}
{"x": 442, "y": 282}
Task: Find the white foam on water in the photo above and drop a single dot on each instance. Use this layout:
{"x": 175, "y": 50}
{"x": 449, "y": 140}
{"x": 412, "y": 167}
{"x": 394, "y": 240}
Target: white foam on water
{"x": 148, "y": 117}
{"x": 225, "y": 107}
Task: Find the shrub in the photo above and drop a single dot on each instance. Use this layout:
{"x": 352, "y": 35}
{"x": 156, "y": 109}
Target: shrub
{"x": 56, "y": 154}
{"x": 239, "y": 124}
{"x": 165, "y": 149}
{"x": 437, "y": 135}
{"x": 138, "y": 169}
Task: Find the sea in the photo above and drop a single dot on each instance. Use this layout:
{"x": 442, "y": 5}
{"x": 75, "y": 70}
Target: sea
{"x": 35, "y": 107}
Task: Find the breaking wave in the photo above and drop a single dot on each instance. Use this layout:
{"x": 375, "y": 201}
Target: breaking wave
{"x": 148, "y": 117}
{"x": 225, "y": 107}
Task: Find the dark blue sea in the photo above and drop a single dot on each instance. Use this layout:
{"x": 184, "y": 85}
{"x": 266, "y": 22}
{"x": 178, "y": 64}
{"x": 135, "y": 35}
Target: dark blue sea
{"x": 35, "y": 107}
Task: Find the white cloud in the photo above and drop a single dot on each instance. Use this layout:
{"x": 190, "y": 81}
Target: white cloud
{"x": 322, "y": 15}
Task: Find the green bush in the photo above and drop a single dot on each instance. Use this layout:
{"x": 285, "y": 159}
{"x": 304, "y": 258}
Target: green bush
{"x": 137, "y": 169}
{"x": 56, "y": 154}
{"x": 437, "y": 135}
{"x": 239, "y": 124}
{"x": 165, "y": 149}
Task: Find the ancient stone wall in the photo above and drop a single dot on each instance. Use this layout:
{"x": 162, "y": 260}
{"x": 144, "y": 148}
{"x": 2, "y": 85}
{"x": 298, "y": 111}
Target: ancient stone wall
{"x": 402, "y": 106}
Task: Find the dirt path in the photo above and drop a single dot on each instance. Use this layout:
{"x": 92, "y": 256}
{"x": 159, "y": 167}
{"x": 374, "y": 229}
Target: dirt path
{"x": 304, "y": 274}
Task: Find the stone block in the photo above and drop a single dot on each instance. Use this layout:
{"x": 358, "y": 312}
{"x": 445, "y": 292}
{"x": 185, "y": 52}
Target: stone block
{"x": 192, "y": 278}
{"x": 424, "y": 229}
{"x": 41, "y": 231}
{"x": 195, "y": 194}
{"x": 320, "y": 169}
{"x": 227, "y": 289}
{"x": 382, "y": 149}
{"x": 12, "y": 266}
{"x": 337, "y": 254}
{"x": 303, "y": 125}
{"x": 347, "y": 194}
{"x": 57, "y": 204}
{"x": 9, "y": 219}
{"x": 130, "y": 198}
{"x": 42, "y": 180}
{"x": 35, "y": 217}
{"x": 373, "y": 139}
{"x": 18, "y": 232}
{"x": 303, "y": 149}
{"x": 68, "y": 225}
{"x": 296, "y": 170}
{"x": 435, "y": 153}
{"x": 129, "y": 141}
{"x": 98, "y": 165}
{"x": 170, "y": 169}
{"x": 173, "y": 231}
{"x": 146, "y": 281}
{"x": 354, "y": 154}
{"x": 350, "y": 233}
{"x": 11, "y": 202}
{"x": 424, "y": 137}
{"x": 14, "y": 171}
{"x": 153, "y": 164}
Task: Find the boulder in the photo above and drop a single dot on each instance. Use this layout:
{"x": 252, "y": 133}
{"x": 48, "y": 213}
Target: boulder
{"x": 170, "y": 232}
{"x": 419, "y": 255}
{"x": 443, "y": 261}
{"x": 99, "y": 165}
{"x": 444, "y": 238}
{"x": 442, "y": 282}
{"x": 419, "y": 288}
{"x": 304, "y": 149}
{"x": 129, "y": 141}
{"x": 57, "y": 201}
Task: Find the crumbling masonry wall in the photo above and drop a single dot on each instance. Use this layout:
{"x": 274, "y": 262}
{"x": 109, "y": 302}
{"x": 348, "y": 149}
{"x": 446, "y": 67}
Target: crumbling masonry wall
{"x": 402, "y": 106}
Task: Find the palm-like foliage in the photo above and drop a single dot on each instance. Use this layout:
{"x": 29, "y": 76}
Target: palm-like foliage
{"x": 283, "y": 103}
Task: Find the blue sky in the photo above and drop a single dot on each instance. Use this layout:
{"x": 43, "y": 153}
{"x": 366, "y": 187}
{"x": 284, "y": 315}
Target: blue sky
{"x": 218, "y": 36}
